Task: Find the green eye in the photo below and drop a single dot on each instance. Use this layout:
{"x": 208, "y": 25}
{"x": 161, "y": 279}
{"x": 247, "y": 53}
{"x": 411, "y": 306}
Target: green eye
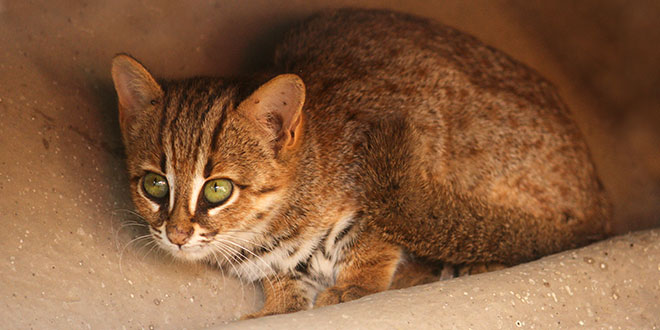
{"x": 155, "y": 185}
{"x": 218, "y": 190}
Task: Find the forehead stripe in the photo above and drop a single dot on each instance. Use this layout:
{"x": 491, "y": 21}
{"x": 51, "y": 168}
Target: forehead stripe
{"x": 218, "y": 127}
{"x": 198, "y": 143}
{"x": 163, "y": 161}
{"x": 163, "y": 120}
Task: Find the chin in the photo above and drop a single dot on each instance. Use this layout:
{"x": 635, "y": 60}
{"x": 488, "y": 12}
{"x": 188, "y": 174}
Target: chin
{"x": 187, "y": 253}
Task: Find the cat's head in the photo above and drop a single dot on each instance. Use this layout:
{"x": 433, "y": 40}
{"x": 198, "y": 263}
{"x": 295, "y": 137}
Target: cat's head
{"x": 205, "y": 164}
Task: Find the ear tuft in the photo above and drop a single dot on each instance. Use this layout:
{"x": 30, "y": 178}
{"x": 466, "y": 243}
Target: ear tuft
{"x": 277, "y": 108}
{"x": 136, "y": 88}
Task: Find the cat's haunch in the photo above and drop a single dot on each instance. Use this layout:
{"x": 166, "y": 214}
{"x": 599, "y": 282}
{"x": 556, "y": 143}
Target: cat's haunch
{"x": 378, "y": 143}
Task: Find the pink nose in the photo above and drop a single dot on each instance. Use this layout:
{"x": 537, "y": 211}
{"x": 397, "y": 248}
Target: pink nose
{"x": 179, "y": 235}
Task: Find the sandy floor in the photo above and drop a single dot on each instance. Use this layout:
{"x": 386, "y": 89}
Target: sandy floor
{"x": 71, "y": 253}
{"x": 597, "y": 287}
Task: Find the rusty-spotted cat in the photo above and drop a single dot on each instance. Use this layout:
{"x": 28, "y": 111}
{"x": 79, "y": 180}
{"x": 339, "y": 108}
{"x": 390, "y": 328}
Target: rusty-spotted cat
{"x": 375, "y": 137}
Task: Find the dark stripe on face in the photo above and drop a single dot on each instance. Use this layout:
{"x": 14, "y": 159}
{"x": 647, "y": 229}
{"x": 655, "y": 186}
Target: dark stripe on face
{"x": 209, "y": 234}
{"x": 214, "y": 141}
{"x": 210, "y": 99}
{"x": 162, "y": 163}
{"x": 208, "y": 167}
{"x": 163, "y": 116}
{"x": 170, "y": 128}
{"x": 218, "y": 128}
{"x": 266, "y": 190}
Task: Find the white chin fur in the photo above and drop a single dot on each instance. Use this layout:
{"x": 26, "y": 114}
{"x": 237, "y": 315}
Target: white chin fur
{"x": 188, "y": 253}
{"x": 193, "y": 250}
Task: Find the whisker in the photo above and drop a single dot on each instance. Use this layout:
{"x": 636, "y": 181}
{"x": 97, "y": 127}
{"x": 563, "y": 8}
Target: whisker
{"x": 247, "y": 250}
{"x": 153, "y": 244}
{"x": 224, "y": 254}
{"x": 267, "y": 248}
{"x": 121, "y": 253}
{"x": 218, "y": 265}
{"x": 232, "y": 253}
{"x": 263, "y": 273}
{"x": 275, "y": 276}
{"x": 235, "y": 256}
{"x": 131, "y": 212}
{"x": 242, "y": 231}
{"x": 126, "y": 223}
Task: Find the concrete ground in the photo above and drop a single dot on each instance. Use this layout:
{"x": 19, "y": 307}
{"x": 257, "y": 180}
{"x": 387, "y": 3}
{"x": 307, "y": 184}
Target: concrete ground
{"x": 71, "y": 250}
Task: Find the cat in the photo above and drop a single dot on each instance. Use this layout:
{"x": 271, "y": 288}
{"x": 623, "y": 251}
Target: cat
{"x": 375, "y": 140}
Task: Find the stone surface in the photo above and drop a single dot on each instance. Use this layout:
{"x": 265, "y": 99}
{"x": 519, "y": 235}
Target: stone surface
{"x": 612, "y": 284}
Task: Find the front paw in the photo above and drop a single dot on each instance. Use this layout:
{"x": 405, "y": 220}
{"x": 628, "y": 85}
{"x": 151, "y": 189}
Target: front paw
{"x": 274, "y": 311}
{"x": 255, "y": 315}
{"x": 478, "y": 268}
{"x": 291, "y": 304}
{"x": 335, "y": 295}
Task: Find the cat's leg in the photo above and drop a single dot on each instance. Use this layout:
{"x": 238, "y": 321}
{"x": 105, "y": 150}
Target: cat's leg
{"x": 283, "y": 295}
{"x": 478, "y": 268}
{"x": 368, "y": 268}
{"x": 414, "y": 272}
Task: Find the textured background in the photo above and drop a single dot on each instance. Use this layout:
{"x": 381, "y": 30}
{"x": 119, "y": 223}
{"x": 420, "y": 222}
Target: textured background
{"x": 67, "y": 255}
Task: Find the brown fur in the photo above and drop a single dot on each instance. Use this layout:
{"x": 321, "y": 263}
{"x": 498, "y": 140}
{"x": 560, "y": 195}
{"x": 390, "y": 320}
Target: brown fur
{"x": 414, "y": 139}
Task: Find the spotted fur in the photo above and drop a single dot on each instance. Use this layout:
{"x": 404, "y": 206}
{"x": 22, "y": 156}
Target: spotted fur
{"x": 378, "y": 144}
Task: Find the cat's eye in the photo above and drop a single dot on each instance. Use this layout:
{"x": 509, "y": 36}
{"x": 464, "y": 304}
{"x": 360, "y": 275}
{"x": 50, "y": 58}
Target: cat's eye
{"x": 218, "y": 190}
{"x": 155, "y": 185}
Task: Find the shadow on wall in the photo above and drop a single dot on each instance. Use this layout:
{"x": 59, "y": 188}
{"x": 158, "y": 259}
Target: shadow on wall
{"x": 610, "y": 49}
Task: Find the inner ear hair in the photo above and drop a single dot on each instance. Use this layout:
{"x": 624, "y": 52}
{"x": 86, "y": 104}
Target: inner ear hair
{"x": 276, "y": 107}
{"x": 136, "y": 89}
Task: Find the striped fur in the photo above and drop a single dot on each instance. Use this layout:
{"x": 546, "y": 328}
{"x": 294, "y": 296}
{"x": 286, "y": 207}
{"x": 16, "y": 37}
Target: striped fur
{"x": 400, "y": 144}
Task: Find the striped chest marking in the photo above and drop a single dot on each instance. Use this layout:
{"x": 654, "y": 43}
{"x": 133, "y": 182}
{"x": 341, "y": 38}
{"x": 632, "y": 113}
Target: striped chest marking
{"x": 316, "y": 259}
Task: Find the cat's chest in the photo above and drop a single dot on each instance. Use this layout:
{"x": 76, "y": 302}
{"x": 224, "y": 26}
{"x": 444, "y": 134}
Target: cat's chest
{"x": 314, "y": 258}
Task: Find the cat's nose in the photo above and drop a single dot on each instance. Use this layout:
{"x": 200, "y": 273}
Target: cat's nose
{"x": 179, "y": 235}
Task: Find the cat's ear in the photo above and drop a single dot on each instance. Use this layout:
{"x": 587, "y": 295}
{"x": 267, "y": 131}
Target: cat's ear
{"x": 276, "y": 106}
{"x": 137, "y": 90}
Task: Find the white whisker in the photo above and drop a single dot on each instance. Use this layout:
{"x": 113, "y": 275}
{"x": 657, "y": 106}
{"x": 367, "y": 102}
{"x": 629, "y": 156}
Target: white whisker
{"x": 224, "y": 254}
{"x": 248, "y": 241}
{"x": 233, "y": 254}
{"x": 263, "y": 273}
{"x": 228, "y": 239}
{"x": 131, "y": 212}
{"x": 153, "y": 244}
{"x": 218, "y": 265}
{"x": 121, "y": 253}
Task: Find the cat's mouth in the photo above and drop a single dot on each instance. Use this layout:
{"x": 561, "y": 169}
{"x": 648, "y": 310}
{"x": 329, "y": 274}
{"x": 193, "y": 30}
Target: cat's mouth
{"x": 193, "y": 250}
{"x": 186, "y": 252}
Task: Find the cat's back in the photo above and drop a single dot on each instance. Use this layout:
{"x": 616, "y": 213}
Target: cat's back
{"x": 378, "y": 63}
{"x": 487, "y": 124}
{"x": 382, "y": 51}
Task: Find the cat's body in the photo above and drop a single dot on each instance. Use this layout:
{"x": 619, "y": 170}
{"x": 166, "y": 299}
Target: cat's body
{"x": 403, "y": 137}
